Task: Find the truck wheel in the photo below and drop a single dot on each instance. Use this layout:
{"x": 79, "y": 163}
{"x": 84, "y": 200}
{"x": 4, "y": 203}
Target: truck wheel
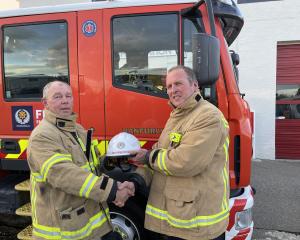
{"x": 129, "y": 220}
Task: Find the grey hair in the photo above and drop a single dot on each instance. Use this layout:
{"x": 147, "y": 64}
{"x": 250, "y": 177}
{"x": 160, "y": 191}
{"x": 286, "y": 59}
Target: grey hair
{"x": 48, "y": 85}
{"x": 191, "y": 76}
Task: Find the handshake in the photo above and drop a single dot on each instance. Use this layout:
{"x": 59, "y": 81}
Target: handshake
{"x": 124, "y": 191}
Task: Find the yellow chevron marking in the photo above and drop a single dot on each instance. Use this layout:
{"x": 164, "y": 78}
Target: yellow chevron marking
{"x": 23, "y": 143}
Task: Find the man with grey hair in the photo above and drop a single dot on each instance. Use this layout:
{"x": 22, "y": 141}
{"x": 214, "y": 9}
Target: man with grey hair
{"x": 190, "y": 190}
{"x": 68, "y": 199}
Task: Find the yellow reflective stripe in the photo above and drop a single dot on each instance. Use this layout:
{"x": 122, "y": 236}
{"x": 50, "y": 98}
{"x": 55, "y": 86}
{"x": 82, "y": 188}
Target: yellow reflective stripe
{"x": 167, "y": 172}
{"x": 198, "y": 221}
{"x": 23, "y": 143}
{"x": 52, "y": 161}
{"x": 88, "y": 185}
{"x": 81, "y": 143}
{"x": 159, "y": 161}
{"x": 33, "y": 198}
{"x": 94, "y": 156}
{"x": 225, "y": 181}
{"x": 225, "y": 122}
{"x": 55, "y": 233}
{"x": 225, "y": 174}
{"x": 88, "y": 167}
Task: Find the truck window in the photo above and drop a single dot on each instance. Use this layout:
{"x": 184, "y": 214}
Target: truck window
{"x": 34, "y": 55}
{"x": 190, "y": 27}
{"x": 144, "y": 48}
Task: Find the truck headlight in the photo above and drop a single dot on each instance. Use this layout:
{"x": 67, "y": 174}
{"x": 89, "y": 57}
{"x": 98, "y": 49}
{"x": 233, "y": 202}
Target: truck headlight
{"x": 243, "y": 219}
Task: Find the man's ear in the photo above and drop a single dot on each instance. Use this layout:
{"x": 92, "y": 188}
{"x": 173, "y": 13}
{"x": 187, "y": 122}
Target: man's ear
{"x": 44, "y": 102}
{"x": 196, "y": 84}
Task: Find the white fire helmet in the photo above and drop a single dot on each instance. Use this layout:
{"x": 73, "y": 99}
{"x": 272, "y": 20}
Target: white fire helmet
{"x": 122, "y": 144}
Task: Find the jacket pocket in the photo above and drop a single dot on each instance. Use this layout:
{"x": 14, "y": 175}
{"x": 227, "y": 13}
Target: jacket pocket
{"x": 181, "y": 208}
{"x": 73, "y": 219}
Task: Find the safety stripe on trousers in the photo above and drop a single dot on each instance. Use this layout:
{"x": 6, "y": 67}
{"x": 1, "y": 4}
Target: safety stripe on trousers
{"x": 199, "y": 221}
{"x": 55, "y": 233}
{"x": 88, "y": 185}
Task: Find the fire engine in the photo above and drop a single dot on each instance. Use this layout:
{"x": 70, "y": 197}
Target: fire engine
{"x": 115, "y": 55}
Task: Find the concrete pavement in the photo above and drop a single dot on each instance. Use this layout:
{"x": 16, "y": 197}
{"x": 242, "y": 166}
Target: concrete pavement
{"x": 277, "y": 201}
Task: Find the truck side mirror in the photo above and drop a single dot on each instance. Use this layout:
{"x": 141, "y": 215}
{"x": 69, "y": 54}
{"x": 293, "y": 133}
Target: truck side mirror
{"x": 206, "y": 58}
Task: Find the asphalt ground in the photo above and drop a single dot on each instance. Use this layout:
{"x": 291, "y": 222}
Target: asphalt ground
{"x": 276, "y": 212}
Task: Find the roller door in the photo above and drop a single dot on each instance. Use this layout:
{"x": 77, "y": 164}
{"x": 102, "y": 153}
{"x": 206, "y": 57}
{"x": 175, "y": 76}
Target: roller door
{"x": 288, "y": 102}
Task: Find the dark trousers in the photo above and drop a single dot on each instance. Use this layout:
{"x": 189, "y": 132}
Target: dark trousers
{"x": 221, "y": 237}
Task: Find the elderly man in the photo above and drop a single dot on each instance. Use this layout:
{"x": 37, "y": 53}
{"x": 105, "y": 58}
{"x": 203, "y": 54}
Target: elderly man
{"x": 190, "y": 190}
{"x": 69, "y": 201}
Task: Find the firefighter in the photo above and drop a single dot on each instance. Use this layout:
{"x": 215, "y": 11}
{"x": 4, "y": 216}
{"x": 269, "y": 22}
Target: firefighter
{"x": 189, "y": 192}
{"x": 69, "y": 201}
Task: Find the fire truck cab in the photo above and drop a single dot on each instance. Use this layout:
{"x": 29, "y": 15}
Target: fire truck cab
{"x": 115, "y": 55}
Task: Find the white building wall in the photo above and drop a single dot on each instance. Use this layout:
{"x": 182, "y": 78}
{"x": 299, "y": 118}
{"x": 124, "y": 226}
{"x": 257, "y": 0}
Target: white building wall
{"x": 266, "y": 24}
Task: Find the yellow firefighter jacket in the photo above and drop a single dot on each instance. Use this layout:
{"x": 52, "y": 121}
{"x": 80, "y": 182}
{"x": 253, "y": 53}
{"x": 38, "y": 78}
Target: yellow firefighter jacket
{"x": 190, "y": 188}
{"x": 68, "y": 199}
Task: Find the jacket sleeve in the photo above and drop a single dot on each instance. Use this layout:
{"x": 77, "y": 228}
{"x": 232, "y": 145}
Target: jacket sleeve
{"x": 195, "y": 151}
{"x": 51, "y": 163}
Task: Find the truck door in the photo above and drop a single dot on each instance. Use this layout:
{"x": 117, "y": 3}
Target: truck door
{"x": 90, "y": 65}
{"x": 140, "y": 45}
{"x": 35, "y": 50}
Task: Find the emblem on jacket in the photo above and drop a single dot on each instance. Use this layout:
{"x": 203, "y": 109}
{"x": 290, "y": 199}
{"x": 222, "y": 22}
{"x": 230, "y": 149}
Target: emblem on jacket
{"x": 175, "y": 137}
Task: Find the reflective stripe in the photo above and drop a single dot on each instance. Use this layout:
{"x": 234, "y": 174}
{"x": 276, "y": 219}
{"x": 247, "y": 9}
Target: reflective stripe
{"x": 225, "y": 174}
{"x": 33, "y": 198}
{"x": 225, "y": 122}
{"x": 161, "y": 162}
{"x": 199, "y": 221}
{"x": 81, "y": 143}
{"x": 88, "y": 167}
{"x": 88, "y": 185}
{"x": 55, "y": 233}
{"x": 56, "y": 158}
{"x": 48, "y": 164}
{"x": 96, "y": 160}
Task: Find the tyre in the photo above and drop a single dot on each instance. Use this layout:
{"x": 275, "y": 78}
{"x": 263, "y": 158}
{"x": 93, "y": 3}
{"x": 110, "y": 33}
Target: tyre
{"x": 129, "y": 220}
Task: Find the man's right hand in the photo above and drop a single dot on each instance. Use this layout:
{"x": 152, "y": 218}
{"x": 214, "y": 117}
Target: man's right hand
{"x": 125, "y": 190}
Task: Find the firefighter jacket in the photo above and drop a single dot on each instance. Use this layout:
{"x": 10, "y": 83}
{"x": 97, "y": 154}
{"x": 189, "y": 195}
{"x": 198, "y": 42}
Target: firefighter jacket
{"x": 68, "y": 200}
{"x": 189, "y": 192}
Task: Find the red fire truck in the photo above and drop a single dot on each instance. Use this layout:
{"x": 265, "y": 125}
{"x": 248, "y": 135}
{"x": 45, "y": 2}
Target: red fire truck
{"x": 115, "y": 55}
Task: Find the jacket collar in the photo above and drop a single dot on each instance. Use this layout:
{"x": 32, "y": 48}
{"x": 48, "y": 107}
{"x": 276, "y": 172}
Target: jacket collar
{"x": 66, "y": 123}
{"x": 187, "y": 106}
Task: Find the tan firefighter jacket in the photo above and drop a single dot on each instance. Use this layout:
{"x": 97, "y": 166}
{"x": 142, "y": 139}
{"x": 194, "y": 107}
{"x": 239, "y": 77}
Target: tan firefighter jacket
{"x": 190, "y": 187}
{"x": 68, "y": 199}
